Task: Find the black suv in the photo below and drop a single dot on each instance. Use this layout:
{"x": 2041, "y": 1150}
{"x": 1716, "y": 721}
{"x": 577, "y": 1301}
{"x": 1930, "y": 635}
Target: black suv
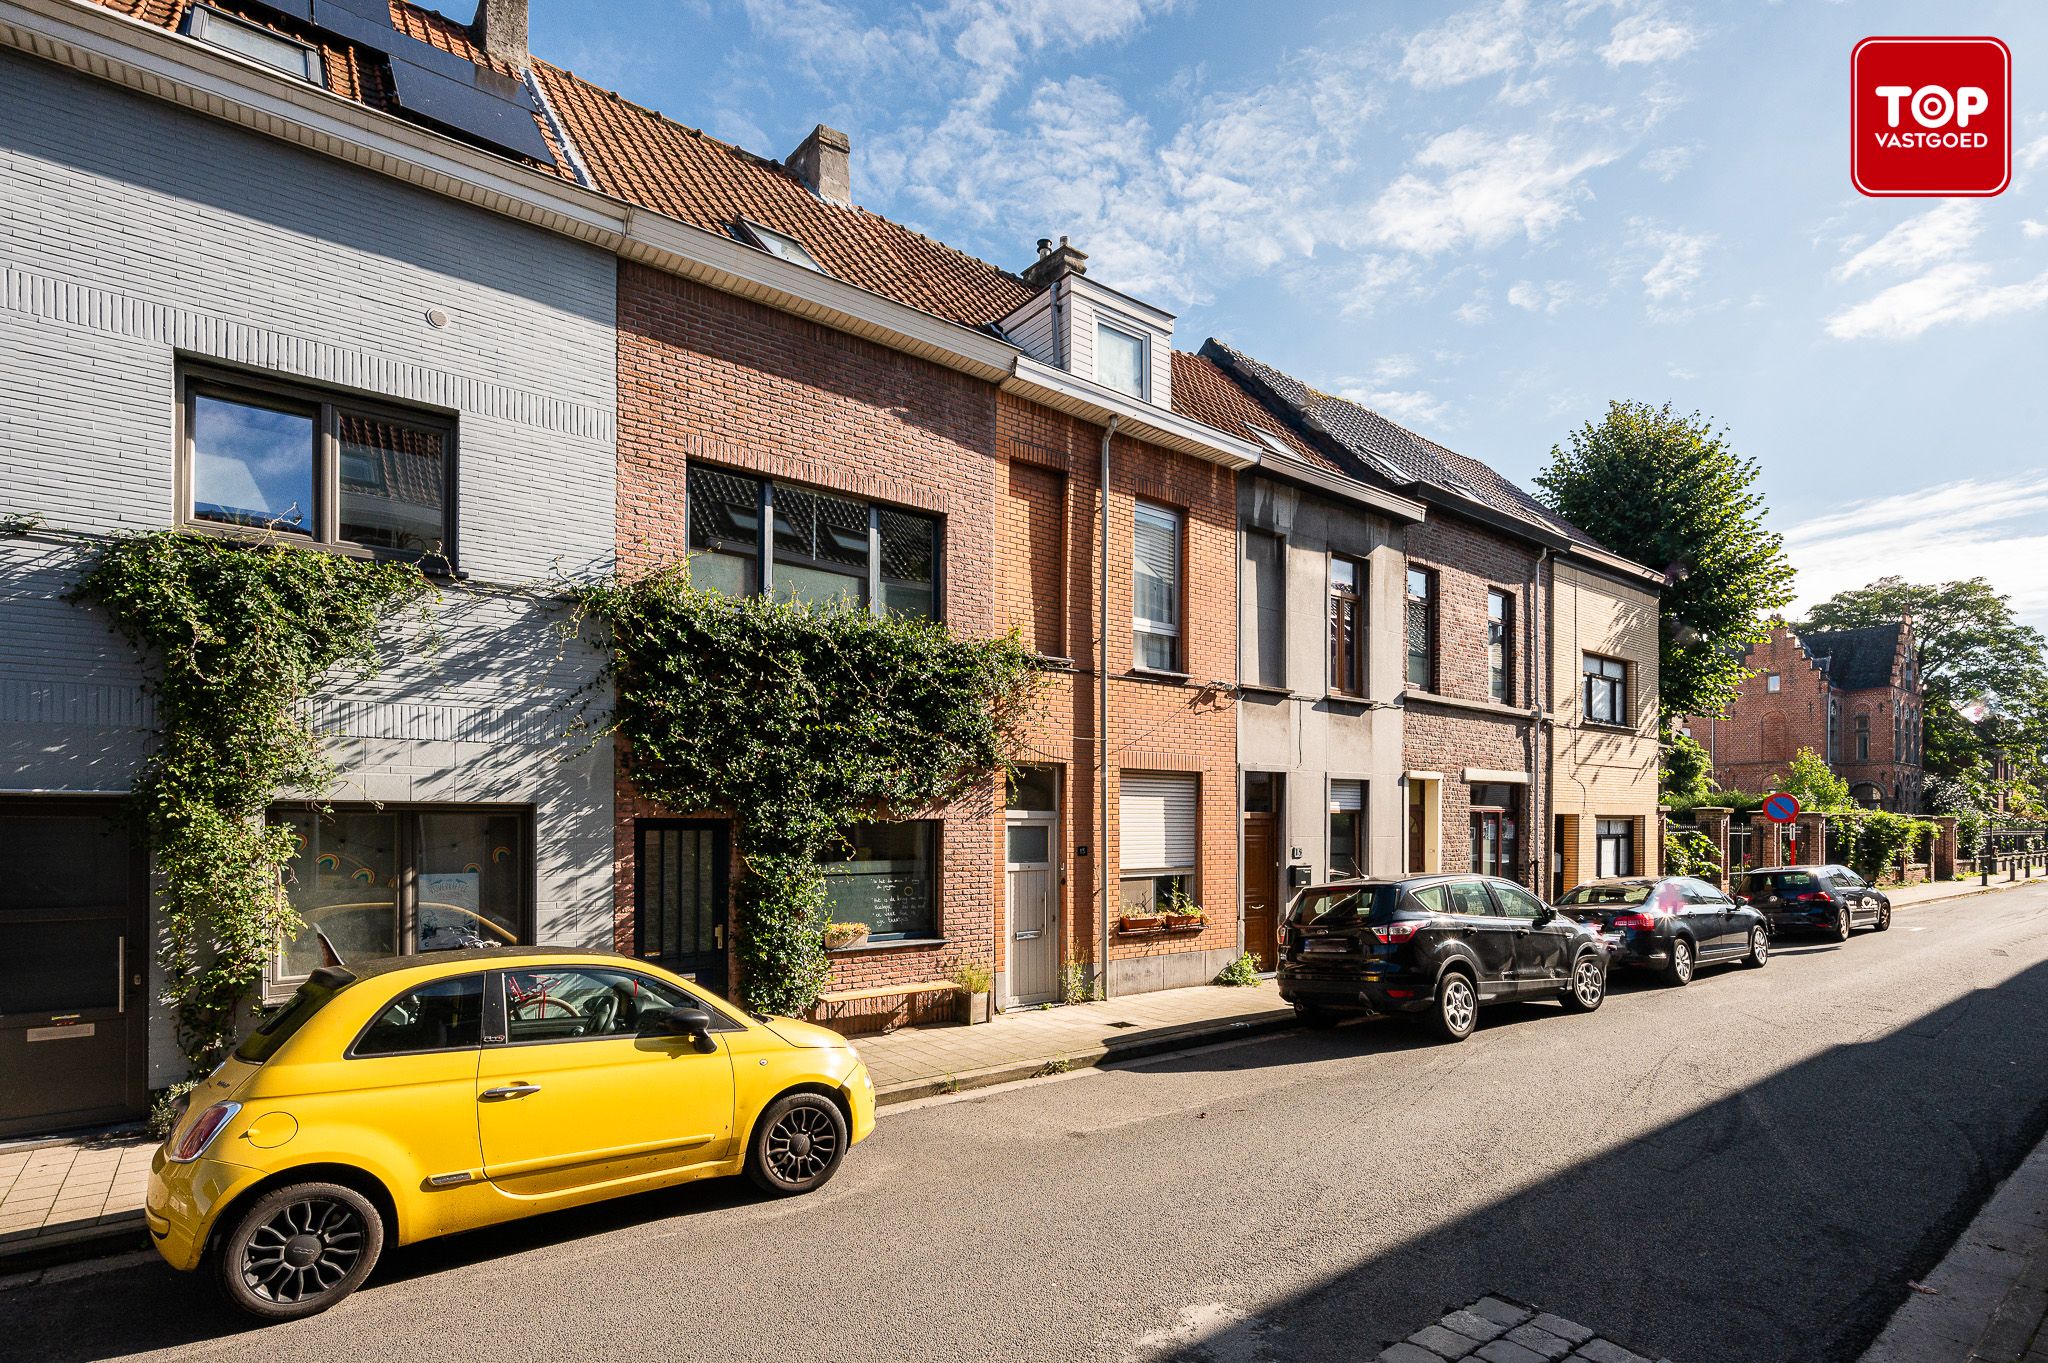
{"x": 1827, "y": 899}
{"x": 1439, "y": 945}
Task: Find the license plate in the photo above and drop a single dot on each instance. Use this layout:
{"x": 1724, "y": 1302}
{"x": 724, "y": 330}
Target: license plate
{"x": 1334, "y": 944}
{"x": 1613, "y": 937}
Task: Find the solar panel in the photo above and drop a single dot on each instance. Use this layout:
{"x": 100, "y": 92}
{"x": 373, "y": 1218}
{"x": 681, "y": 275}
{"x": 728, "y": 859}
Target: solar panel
{"x": 465, "y": 107}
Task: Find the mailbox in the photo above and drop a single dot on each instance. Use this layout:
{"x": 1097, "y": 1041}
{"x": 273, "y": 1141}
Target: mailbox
{"x": 1297, "y": 877}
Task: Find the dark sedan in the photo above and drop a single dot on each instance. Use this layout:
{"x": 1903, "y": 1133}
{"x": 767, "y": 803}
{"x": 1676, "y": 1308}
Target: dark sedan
{"x": 1832, "y": 900}
{"x": 1672, "y": 926}
{"x": 1436, "y": 945}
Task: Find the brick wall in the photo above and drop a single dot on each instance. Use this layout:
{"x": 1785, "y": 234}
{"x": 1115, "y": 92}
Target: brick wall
{"x": 1601, "y": 771}
{"x": 1753, "y": 744}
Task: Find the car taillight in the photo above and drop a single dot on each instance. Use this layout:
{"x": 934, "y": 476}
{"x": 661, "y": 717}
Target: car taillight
{"x": 1813, "y": 897}
{"x": 1397, "y": 932}
{"x": 1640, "y": 922}
{"x": 200, "y": 1134}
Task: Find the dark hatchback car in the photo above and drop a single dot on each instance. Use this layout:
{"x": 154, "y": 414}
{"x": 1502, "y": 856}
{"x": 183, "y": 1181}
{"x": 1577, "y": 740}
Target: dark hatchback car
{"x": 1672, "y": 926}
{"x": 1437, "y": 945}
{"x": 1829, "y": 899}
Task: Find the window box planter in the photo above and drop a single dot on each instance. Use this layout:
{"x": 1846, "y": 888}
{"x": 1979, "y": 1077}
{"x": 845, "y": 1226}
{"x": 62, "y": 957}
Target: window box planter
{"x": 840, "y": 936}
{"x": 1139, "y": 922}
{"x": 1184, "y": 922}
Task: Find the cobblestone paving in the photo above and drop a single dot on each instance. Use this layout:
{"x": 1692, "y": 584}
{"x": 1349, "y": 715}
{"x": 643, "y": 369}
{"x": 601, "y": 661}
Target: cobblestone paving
{"x": 1497, "y": 1330}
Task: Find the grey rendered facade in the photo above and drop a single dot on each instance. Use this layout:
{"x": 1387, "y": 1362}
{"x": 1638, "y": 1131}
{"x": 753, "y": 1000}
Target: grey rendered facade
{"x": 140, "y": 239}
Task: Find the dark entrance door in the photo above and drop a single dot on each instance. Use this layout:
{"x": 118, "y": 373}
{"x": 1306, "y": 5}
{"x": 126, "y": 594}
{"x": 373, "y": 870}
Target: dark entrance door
{"x": 679, "y": 897}
{"x": 73, "y": 958}
{"x": 1262, "y": 893}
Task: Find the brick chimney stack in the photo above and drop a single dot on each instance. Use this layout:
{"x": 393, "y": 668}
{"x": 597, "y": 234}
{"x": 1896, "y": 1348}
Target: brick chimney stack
{"x": 500, "y": 30}
{"x": 1054, "y": 262}
{"x": 823, "y": 161}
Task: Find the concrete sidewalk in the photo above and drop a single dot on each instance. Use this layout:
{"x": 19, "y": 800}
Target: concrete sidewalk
{"x": 1987, "y": 1301}
{"x": 57, "y": 1196}
{"x": 1907, "y": 896}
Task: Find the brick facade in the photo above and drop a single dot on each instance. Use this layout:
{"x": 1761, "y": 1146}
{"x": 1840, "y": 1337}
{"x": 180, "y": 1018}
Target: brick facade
{"x": 1601, "y": 771}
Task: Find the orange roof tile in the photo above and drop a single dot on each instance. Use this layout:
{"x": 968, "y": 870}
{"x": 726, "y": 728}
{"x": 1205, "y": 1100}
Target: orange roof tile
{"x": 1202, "y": 390}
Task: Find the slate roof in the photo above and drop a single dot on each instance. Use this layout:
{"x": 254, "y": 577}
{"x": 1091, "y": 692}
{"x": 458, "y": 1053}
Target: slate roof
{"x": 1856, "y": 659}
{"x": 1203, "y": 391}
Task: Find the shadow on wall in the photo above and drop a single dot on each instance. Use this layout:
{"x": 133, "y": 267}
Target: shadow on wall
{"x": 1747, "y": 1232}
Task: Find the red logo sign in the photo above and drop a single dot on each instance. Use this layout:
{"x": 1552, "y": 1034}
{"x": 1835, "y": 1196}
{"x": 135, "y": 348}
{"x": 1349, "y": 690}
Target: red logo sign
{"x": 1930, "y": 117}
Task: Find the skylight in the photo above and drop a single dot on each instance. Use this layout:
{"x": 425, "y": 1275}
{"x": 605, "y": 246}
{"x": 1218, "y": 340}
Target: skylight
{"x": 258, "y": 44}
{"x": 778, "y": 244}
{"x": 1272, "y": 442}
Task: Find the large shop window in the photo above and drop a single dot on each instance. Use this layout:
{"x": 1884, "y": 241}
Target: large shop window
{"x": 885, "y": 875}
{"x": 1347, "y": 830}
{"x": 379, "y": 882}
{"x": 1158, "y": 818}
{"x": 1156, "y": 588}
{"x": 748, "y": 535}
{"x": 274, "y": 458}
{"x": 1615, "y": 842}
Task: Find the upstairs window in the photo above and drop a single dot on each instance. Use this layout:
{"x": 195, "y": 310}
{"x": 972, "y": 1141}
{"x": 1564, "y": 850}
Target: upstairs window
{"x": 1347, "y": 626}
{"x": 749, "y": 536}
{"x": 1422, "y": 629}
{"x": 269, "y": 457}
{"x": 1606, "y": 682}
{"x": 1500, "y": 620}
{"x": 780, "y": 244}
{"x": 1120, "y": 360}
{"x": 1155, "y": 589}
{"x": 258, "y": 44}
{"x": 1774, "y": 682}
{"x": 1863, "y": 738}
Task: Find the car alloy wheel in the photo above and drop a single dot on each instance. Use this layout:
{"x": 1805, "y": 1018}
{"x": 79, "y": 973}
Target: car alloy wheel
{"x": 1884, "y": 917}
{"x": 1588, "y": 987}
{"x": 1457, "y": 1007}
{"x": 797, "y": 1144}
{"x": 300, "y": 1250}
{"x": 1679, "y": 972}
{"x": 1759, "y": 946}
{"x": 1844, "y": 925}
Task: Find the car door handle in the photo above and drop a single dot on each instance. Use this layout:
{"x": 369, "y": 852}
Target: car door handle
{"x": 508, "y": 1091}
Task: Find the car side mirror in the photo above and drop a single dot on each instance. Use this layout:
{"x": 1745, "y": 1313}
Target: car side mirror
{"x": 693, "y": 1023}
{"x": 1742, "y": 899}
{"x": 1546, "y": 914}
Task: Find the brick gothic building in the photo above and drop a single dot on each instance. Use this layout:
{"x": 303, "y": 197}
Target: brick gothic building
{"x": 1853, "y": 696}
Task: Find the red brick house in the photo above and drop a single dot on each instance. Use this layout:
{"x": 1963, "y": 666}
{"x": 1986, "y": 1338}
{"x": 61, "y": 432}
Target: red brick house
{"x": 1854, "y": 696}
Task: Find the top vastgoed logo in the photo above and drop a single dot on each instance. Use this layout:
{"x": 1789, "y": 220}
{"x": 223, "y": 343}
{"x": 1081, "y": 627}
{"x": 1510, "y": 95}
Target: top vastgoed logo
{"x": 1930, "y": 117}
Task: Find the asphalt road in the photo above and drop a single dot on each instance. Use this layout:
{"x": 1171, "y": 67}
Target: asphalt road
{"x": 1749, "y": 1169}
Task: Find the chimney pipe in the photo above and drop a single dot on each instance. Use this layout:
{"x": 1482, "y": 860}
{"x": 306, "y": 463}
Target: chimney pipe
{"x": 823, "y": 161}
{"x": 500, "y": 30}
{"x": 1054, "y": 262}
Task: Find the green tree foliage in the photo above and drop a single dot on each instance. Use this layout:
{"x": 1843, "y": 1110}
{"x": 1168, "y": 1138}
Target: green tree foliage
{"x": 1689, "y": 852}
{"x": 241, "y": 633}
{"x": 1669, "y": 491}
{"x": 800, "y": 721}
{"x": 1815, "y": 784}
{"x": 1688, "y": 769}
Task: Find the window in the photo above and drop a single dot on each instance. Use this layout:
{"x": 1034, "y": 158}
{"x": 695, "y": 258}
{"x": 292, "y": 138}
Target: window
{"x": 1500, "y": 623}
{"x": 1516, "y": 902}
{"x": 1034, "y": 789}
{"x": 1120, "y": 360}
{"x": 444, "y": 1015}
{"x": 266, "y": 457}
{"x": 821, "y": 547}
{"x": 584, "y": 1003}
{"x": 369, "y": 883}
{"x": 1156, "y": 836}
{"x": 1834, "y": 731}
{"x": 1863, "y": 738}
{"x": 1494, "y": 830}
{"x": 1155, "y": 588}
{"x": 1773, "y": 682}
{"x": 1606, "y": 690}
{"x": 1422, "y": 628}
{"x": 1263, "y": 635}
{"x": 1614, "y": 847}
{"x": 779, "y": 244}
{"x": 883, "y": 875}
{"x": 1347, "y": 830}
{"x": 258, "y": 44}
{"x": 1347, "y": 626}
{"x": 1469, "y": 897}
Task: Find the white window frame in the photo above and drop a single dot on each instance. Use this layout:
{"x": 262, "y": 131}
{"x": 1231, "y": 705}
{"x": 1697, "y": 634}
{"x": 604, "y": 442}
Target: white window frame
{"x": 1144, "y": 393}
{"x": 1132, "y": 785}
{"x": 1141, "y": 626}
{"x": 781, "y": 245}
{"x": 208, "y": 25}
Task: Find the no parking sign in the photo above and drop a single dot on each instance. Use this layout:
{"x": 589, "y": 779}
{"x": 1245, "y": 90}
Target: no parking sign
{"x": 1781, "y": 808}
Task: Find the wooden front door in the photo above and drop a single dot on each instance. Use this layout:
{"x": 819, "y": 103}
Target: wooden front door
{"x": 1261, "y": 886}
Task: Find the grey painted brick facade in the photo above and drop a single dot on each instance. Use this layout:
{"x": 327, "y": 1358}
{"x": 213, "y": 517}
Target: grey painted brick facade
{"x": 137, "y": 236}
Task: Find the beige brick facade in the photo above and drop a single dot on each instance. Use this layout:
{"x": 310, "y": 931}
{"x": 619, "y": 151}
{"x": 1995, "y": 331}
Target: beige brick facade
{"x": 1600, "y": 771}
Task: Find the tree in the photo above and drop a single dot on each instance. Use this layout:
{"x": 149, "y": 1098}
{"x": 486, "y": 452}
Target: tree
{"x": 1688, "y": 768}
{"x": 1669, "y": 491}
{"x": 1815, "y": 784}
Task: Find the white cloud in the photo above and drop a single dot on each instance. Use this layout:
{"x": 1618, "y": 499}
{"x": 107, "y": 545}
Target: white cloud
{"x": 1546, "y": 297}
{"x": 1474, "y": 188}
{"x": 1941, "y": 233}
{"x": 1411, "y": 406}
{"x": 1679, "y": 263}
{"x": 2033, "y": 227}
{"x": 1479, "y": 42}
{"x": 1648, "y": 37}
{"x": 1666, "y": 162}
{"x": 1475, "y": 312}
{"x": 1958, "y": 292}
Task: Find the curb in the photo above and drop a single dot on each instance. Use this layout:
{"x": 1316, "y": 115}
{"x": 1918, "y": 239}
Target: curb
{"x": 125, "y": 1232}
{"x": 1090, "y": 1057}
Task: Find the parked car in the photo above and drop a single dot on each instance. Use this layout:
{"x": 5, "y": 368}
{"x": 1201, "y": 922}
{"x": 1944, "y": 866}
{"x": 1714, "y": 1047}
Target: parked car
{"x": 1829, "y": 899}
{"x": 1436, "y": 945}
{"x": 399, "y": 1099}
{"x": 1672, "y": 926}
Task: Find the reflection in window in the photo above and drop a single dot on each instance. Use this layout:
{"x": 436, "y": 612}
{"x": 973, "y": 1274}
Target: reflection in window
{"x": 826, "y": 548}
{"x": 1606, "y": 690}
{"x": 252, "y": 465}
{"x": 1155, "y": 588}
{"x": 471, "y": 880}
{"x": 445, "y": 1015}
{"x": 342, "y": 881}
{"x": 882, "y": 875}
{"x": 1422, "y": 628}
{"x": 725, "y": 531}
{"x": 583, "y": 1002}
{"x": 393, "y": 483}
{"x": 821, "y": 547}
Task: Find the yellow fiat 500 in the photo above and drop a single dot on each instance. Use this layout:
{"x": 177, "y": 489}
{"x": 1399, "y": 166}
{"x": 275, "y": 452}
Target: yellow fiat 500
{"x": 402, "y": 1099}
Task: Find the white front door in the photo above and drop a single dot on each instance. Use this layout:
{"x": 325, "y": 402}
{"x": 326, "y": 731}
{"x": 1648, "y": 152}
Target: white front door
{"x": 1032, "y": 893}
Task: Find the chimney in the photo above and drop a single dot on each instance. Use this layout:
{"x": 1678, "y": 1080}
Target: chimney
{"x": 822, "y": 162}
{"x": 500, "y": 30}
{"x": 1054, "y": 262}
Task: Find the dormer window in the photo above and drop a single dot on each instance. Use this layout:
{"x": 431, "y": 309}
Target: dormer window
{"x": 258, "y": 44}
{"x": 780, "y": 244}
{"x": 1120, "y": 361}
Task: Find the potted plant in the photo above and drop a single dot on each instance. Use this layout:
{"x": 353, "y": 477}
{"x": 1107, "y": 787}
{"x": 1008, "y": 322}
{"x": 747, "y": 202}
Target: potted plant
{"x": 840, "y": 936}
{"x": 1138, "y": 922}
{"x": 974, "y": 981}
{"x": 1181, "y": 913}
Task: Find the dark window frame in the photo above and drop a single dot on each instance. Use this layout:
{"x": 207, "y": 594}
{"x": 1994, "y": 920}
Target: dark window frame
{"x": 1627, "y": 840}
{"x": 765, "y": 552}
{"x": 277, "y": 987}
{"x": 1347, "y": 628}
{"x": 935, "y": 852}
{"x": 1427, "y": 601}
{"x": 354, "y": 1052}
{"x": 1863, "y": 736}
{"x": 1615, "y": 688}
{"x": 1500, "y": 646}
{"x": 325, "y": 406}
{"x": 1359, "y": 849}
{"x": 498, "y": 1015}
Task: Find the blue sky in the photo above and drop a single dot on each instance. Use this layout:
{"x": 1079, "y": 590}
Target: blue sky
{"x": 1483, "y": 220}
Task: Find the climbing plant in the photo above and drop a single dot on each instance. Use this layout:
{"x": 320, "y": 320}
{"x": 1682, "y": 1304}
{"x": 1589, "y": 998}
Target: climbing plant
{"x": 799, "y": 720}
{"x": 240, "y": 633}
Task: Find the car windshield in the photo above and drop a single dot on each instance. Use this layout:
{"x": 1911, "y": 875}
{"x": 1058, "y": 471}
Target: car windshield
{"x": 1784, "y": 882}
{"x": 277, "y": 1029}
{"x": 1343, "y": 904}
{"x": 1598, "y": 896}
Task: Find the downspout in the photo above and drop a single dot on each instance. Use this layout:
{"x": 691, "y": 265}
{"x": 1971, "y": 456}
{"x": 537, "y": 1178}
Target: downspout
{"x": 1546, "y": 724}
{"x": 1539, "y": 795}
{"x": 1102, "y": 711}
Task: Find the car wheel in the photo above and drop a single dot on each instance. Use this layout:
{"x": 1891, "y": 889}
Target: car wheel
{"x": 1308, "y": 1015}
{"x": 1588, "y": 988}
{"x": 797, "y": 1145}
{"x": 1678, "y": 974}
{"x": 1884, "y": 915}
{"x": 298, "y": 1250}
{"x": 1844, "y": 924}
{"x": 1457, "y": 1007}
{"x": 1759, "y": 947}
